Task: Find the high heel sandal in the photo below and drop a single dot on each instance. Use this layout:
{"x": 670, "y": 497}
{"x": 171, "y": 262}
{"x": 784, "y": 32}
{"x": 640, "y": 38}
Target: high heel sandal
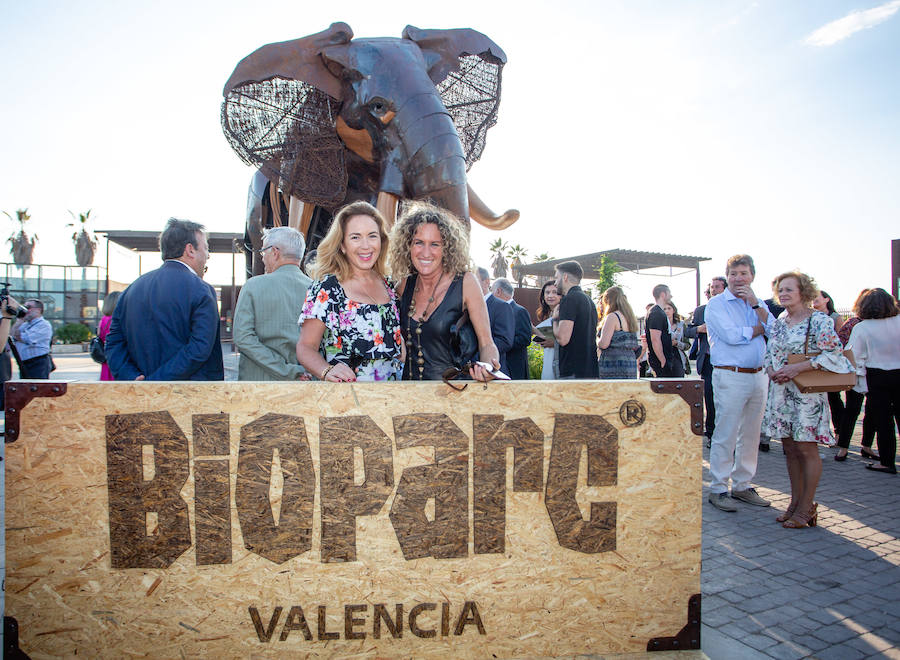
{"x": 787, "y": 515}
{"x": 799, "y": 522}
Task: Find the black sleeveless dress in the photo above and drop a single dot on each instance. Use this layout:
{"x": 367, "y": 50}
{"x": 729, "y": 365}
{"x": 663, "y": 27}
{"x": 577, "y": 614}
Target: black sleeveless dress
{"x": 434, "y": 338}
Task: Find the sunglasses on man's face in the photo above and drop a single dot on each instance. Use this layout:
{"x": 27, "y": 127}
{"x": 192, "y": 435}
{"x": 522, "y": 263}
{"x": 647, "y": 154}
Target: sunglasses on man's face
{"x": 262, "y": 251}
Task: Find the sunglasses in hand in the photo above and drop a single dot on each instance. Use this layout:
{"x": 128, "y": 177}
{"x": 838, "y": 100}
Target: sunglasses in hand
{"x": 455, "y": 372}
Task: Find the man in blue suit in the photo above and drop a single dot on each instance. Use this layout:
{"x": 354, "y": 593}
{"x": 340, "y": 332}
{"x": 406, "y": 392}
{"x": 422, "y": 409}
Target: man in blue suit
{"x": 503, "y": 323}
{"x": 697, "y": 330}
{"x": 517, "y": 356}
{"x": 166, "y": 324}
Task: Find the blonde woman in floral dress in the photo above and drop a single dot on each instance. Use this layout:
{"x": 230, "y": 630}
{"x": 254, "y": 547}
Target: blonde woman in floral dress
{"x": 802, "y": 421}
{"x": 351, "y": 313}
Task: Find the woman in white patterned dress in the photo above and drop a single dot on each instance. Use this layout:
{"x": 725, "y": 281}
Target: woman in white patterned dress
{"x": 351, "y": 313}
{"x": 802, "y": 421}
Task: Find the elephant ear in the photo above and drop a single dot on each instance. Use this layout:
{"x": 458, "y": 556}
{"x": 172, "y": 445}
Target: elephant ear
{"x": 279, "y": 114}
{"x": 466, "y": 68}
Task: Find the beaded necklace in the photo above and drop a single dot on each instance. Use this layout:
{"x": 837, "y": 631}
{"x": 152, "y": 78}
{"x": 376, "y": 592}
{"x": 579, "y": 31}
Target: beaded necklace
{"x": 420, "y": 357}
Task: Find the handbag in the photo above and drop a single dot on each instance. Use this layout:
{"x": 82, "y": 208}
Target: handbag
{"x": 98, "y": 350}
{"x": 821, "y": 380}
{"x": 463, "y": 341}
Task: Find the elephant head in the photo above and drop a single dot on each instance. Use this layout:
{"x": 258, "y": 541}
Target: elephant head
{"x": 334, "y": 119}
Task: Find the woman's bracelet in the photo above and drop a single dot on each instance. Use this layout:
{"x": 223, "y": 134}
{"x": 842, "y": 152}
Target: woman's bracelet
{"x": 326, "y": 371}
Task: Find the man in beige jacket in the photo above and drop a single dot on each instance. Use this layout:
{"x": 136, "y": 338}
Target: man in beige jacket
{"x": 265, "y": 319}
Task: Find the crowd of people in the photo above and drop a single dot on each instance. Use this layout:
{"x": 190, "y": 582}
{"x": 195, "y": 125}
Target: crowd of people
{"x": 380, "y": 305}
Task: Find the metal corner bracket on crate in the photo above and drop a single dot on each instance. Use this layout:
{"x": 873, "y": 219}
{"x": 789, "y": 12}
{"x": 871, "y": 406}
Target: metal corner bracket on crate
{"x": 689, "y": 390}
{"x": 18, "y": 394}
{"x": 687, "y": 638}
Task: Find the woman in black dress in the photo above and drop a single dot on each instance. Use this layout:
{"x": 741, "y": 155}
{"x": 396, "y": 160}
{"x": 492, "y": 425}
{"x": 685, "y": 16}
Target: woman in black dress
{"x": 429, "y": 259}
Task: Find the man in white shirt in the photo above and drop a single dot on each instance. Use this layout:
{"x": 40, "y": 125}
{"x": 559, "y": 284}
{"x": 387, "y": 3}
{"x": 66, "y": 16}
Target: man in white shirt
{"x": 736, "y": 322}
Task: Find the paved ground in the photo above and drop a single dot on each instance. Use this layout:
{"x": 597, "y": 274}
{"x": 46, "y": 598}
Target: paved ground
{"x": 828, "y": 592}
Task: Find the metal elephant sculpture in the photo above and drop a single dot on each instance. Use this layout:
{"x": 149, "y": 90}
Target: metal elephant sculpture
{"x": 331, "y": 119}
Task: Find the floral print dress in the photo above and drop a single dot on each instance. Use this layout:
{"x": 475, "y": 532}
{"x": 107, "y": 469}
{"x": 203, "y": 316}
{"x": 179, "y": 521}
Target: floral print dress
{"x": 790, "y": 414}
{"x": 364, "y": 336}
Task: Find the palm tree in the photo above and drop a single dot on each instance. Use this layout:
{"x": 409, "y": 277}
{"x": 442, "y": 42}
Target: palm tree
{"x": 540, "y": 280}
{"x": 498, "y": 263}
{"x": 22, "y": 249}
{"x": 516, "y": 253}
{"x": 85, "y": 244}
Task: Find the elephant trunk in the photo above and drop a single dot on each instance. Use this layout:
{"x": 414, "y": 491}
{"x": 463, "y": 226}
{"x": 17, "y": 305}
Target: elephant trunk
{"x": 427, "y": 161}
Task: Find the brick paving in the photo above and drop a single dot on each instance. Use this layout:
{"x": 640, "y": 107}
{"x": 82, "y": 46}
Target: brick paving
{"x": 827, "y": 592}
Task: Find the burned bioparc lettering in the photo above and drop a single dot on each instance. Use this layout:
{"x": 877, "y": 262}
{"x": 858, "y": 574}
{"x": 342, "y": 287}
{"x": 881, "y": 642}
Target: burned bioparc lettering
{"x": 148, "y": 464}
{"x": 361, "y": 621}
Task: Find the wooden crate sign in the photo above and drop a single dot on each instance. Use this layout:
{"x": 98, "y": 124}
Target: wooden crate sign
{"x": 381, "y": 520}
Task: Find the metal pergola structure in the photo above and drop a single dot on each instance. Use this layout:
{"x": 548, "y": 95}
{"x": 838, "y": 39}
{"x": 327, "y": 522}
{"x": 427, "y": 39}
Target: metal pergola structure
{"x": 148, "y": 241}
{"x": 626, "y": 260}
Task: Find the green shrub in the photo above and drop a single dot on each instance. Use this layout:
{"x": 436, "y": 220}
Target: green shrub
{"x": 535, "y": 361}
{"x": 73, "y": 333}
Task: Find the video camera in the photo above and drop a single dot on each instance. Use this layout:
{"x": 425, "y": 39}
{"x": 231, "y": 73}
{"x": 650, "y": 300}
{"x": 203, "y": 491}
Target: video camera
{"x": 4, "y": 294}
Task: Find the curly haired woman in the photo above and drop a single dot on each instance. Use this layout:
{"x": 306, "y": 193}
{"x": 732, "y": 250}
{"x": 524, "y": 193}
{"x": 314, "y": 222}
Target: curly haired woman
{"x": 429, "y": 257}
{"x": 802, "y": 421}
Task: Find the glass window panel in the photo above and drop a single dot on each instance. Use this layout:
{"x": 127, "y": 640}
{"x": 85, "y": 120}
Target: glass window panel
{"x": 82, "y": 279}
{"x": 53, "y": 272}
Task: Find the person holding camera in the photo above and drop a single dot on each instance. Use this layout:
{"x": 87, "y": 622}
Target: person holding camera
{"x": 32, "y": 335}
{"x": 9, "y": 311}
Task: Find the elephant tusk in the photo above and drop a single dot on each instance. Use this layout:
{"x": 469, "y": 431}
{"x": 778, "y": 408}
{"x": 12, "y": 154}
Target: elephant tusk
{"x": 387, "y": 206}
{"x": 299, "y": 215}
{"x": 275, "y": 205}
{"x": 480, "y": 213}
{"x": 357, "y": 141}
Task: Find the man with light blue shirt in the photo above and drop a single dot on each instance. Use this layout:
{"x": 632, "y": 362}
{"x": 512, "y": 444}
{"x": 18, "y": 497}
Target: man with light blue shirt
{"x": 32, "y": 336}
{"x": 736, "y": 322}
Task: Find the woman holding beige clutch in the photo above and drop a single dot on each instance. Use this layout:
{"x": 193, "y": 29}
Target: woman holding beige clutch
{"x": 802, "y": 421}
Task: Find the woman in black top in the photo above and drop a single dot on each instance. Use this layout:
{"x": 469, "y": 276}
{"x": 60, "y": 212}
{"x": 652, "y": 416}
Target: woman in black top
{"x": 429, "y": 258}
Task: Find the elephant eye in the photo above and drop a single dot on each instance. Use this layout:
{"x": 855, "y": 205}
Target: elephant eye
{"x": 378, "y": 107}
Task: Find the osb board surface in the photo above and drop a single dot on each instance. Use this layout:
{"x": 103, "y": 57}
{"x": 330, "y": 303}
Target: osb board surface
{"x": 71, "y": 529}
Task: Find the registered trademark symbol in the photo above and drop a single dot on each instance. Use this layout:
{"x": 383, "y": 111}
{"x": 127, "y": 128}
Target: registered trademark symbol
{"x": 632, "y": 413}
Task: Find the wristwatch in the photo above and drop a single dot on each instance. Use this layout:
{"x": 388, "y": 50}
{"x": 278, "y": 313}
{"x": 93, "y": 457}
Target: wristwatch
{"x": 756, "y": 306}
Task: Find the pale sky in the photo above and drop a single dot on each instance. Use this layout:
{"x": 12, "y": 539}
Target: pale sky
{"x": 703, "y": 128}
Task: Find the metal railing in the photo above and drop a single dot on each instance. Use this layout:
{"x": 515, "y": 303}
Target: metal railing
{"x": 71, "y": 294}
